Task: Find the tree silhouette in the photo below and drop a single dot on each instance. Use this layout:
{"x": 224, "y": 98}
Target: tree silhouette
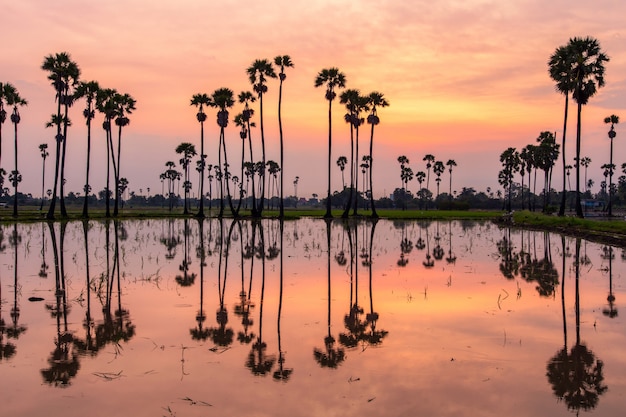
{"x": 282, "y": 62}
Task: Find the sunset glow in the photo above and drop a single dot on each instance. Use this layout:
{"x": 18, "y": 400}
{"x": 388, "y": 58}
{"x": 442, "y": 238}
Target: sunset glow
{"x": 465, "y": 80}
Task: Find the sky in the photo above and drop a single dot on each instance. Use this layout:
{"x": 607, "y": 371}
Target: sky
{"x": 465, "y": 79}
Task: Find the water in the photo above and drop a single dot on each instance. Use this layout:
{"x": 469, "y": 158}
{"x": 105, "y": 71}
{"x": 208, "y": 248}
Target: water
{"x": 181, "y": 318}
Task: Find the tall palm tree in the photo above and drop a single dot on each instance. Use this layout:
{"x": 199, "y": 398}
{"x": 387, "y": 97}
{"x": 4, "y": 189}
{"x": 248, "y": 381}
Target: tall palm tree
{"x": 105, "y": 103}
{"x": 332, "y": 78}
{"x": 341, "y": 163}
{"x": 451, "y": 163}
{"x": 188, "y": 151}
{"x": 13, "y": 99}
{"x": 201, "y": 100}
{"x": 64, "y": 73}
{"x": 438, "y": 169}
{"x": 125, "y": 106}
{"x": 349, "y": 97}
{"x": 258, "y": 73}
{"x": 3, "y": 115}
{"x": 585, "y": 161}
{"x": 282, "y": 62}
{"x": 560, "y": 69}
{"x": 613, "y": 120}
{"x": 43, "y": 149}
{"x": 430, "y": 160}
{"x": 587, "y": 76}
{"x": 223, "y": 99}
{"x": 88, "y": 90}
{"x": 375, "y": 100}
{"x": 245, "y": 98}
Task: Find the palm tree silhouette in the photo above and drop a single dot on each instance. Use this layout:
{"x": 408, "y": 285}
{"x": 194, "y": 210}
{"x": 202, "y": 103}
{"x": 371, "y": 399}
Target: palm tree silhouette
{"x": 560, "y": 69}
{"x": 258, "y": 73}
{"x": 282, "y": 62}
{"x": 105, "y": 103}
{"x": 375, "y": 100}
{"x": 331, "y": 78}
{"x": 201, "y": 100}
{"x": 43, "y": 150}
{"x": 13, "y": 98}
{"x": 188, "y": 151}
{"x": 88, "y": 90}
{"x": 430, "y": 160}
{"x": 222, "y": 99}
{"x": 64, "y": 74}
{"x": 587, "y": 73}
{"x": 125, "y": 105}
{"x": 613, "y": 120}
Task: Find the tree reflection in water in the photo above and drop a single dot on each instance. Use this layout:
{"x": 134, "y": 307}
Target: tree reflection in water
{"x": 608, "y": 255}
{"x": 63, "y": 361}
{"x": 201, "y": 333}
{"x": 259, "y": 362}
{"x": 282, "y": 373}
{"x": 245, "y": 303}
{"x": 221, "y": 335}
{"x": 576, "y": 376}
{"x": 186, "y": 279}
{"x": 330, "y": 357}
{"x": 89, "y": 345}
{"x": 7, "y": 349}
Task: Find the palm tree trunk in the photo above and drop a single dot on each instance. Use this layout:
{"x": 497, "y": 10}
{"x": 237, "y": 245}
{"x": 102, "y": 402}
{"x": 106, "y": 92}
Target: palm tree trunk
{"x": 106, "y": 190}
{"x": 200, "y": 213}
{"x": 16, "y": 176}
{"x": 374, "y": 214}
{"x": 254, "y": 210}
{"x": 262, "y": 179}
{"x": 579, "y": 209}
{"x": 356, "y": 175}
{"x": 328, "y": 214}
{"x": 50, "y": 215}
{"x": 564, "y": 196}
{"x": 43, "y": 181}
{"x": 117, "y": 172}
{"x": 85, "y": 203}
{"x": 62, "y": 185}
{"x": 281, "y": 213}
{"x": 352, "y": 170}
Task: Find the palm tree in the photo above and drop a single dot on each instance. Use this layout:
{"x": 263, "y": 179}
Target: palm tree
{"x": 403, "y": 161}
{"x": 43, "y": 149}
{"x": 332, "y": 78}
{"x": 222, "y": 98}
{"x": 510, "y": 162}
{"x": 375, "y": 100}
{"x": 282, "y": 62}
{"x": 438, "y": 169}
{"x": 105, "y": 103}
{"x": 258, "y": 72}
{"x": 13, "y": 98}
{"x": 613, "y": 120}
{"x": 560, "y": 69}
{"x": 125, "y": 105}
{"x": 200, "y": 100}
{"x": 546, "y": 154}
{"x": 430, "y": 160}
{"x": 341, "y": 163}
{"x": 585, "y": 161}
{"x": 188, "y": 151}
{"x": 89, "y": 90}
{"x": 245, "y": 98}
{"x": 451, "y": 163}
{"x": 350, "y": 97}
{"x": 3, "y": 116}
{"x": 587, "y": 76}
{"x": 63, "y": 74}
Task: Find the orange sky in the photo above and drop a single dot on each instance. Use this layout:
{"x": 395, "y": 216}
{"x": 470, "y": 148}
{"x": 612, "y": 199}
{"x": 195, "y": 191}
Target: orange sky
{"x": 465, "y": 80}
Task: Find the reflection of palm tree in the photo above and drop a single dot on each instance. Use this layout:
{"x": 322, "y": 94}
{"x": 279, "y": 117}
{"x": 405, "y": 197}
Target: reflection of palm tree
{"x": 7, "y": 350}
{"x": 352, "y": 320}
{"x": 610, "y": 311}
{"x": 541, "y": 271}
{"x": 374, "y": 336}
{"x": 16, "y": 329}
{"x": 259, "y": 362}
{"x": 245, "y": 303}
{"x": 282, "y": 373}
{"x": 451, "y": 259}
{"x": 63, "y": 360}
{"x": 187, "y": 279}
{"x": 89, "y": 345}
{"x": 576, "y": 377}
{"x": 221, "y": 335}
{"x": 331, "y": 357}
{"x": 428, "y": 262}
{"x": 170, "y": 241}
{"x": 509, "y": 261}
{"x": 200, "y": 333}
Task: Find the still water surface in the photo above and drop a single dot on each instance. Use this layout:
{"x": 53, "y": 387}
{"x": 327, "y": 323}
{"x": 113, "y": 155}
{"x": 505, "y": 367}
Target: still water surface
{"x": 309, "y": 318}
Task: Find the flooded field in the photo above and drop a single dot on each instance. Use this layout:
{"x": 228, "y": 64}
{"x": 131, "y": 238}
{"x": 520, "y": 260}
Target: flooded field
{"x": 308, "y": 318}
